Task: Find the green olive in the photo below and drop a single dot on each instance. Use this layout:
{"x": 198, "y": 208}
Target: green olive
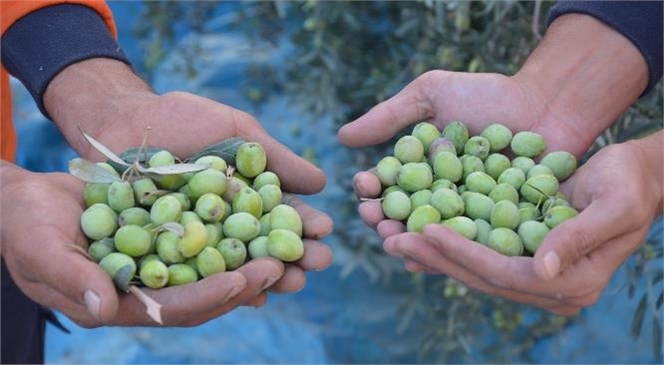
{"x": 207, "y": 181}
{"x": 387, "y": 169}
{"x": 99, "y": 221}
{"x": 426, "y": 132}
{"x": 210, "y": 261}
{"x": 463, "y": 226}
{"x": 396, "y": 205}
{"x": 154, "y": 274}
{"x": 457, "y": 132}
{"x": 448, "y": 203}
{"x": 286, "y": 217}
{"x": 250, "y": 159}
{"x": 120, "y": 267}
{"x": 248, "y": 200}
{"x": 285, "y": 245}
{"x": 266, "y": 178}
{"x": 134, "y": 215}
{"x": 120, "y": 196}
{"x": 422, "y": 216}
{"x": 234, "y": 252}
{"x": 477, "y": 146}
{"x": 532, "y": 233}
{"x": 409, "y": 149}
{"x": 499, "y": 136}
{"x": 505, "y": 241}
{"x": 210, "y": 207}
{"x": 495, "y": 164}
{"x": 166, "y": 209}
{"x": 528, "y": 144}
{"x": 558, "y": 214}
{"x": 215, "y": 162}
{"x": 242, "y": 226}
{"x": 505, "y": 214}
{"x": 562, "y": 163}
{"x": 447, "y": 165}
{"x": 181, "y": 274}
{"x": 193, "y": 240}
{"x": 132, "y": 240}
{"x": 258, "y": 247}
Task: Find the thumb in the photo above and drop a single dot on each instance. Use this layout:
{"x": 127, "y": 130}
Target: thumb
{"x": 389, "y": 117}
{"x": 578, "y": 236}
{"x": 84, "y": 282}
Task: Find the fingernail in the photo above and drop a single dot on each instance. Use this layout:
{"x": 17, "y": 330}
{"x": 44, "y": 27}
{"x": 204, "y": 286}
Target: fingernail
{"x": 93, "y": 303}
{"x": 268, "y": 282}
{"x": 551, "y": 264}
{"x": 235, "y": 291}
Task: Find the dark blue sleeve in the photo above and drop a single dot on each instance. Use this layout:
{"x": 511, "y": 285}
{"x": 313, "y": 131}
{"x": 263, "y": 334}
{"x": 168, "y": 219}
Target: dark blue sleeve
{"x": 639, "y": 21}
{"x": 43, "y": 43}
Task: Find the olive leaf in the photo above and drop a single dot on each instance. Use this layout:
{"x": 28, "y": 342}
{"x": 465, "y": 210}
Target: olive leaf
{"x": 226, "y": 149}
{"x": 179, "y": 168}
{"x": 135, "y": 154}
{"x": 657, "y": 339}
{"x": 173, "y": 227}
{"x": 104, "y": 150}
{"x": 153, "y": 308}
{"x": 90, "y": 171}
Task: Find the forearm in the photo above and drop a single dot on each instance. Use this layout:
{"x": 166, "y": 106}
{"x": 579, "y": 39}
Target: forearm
{"x": 93, "y": 95}
{"x": 583, "y": 76}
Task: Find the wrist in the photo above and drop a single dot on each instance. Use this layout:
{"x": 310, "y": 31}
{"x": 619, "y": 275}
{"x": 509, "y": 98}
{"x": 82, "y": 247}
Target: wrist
{"x": 94, "y": 95}
{"x": 651, "y": 151}
{"x": 583, "y": 76}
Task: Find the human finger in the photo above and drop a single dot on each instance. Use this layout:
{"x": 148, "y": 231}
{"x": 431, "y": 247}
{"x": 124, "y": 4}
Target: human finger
{"x": 384, "y": 120}
{"x": 371, "y": 213}
{"x": 315, "y": 223}
{"x": 420, "y": 249}
{"x": 576, "y": 237}
{"x": 366, "y": 185}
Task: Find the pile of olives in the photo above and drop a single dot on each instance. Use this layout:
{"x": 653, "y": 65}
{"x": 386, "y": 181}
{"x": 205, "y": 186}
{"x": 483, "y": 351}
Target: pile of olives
{"x": 159, "y": 230}
{"x": 469, "y": 184}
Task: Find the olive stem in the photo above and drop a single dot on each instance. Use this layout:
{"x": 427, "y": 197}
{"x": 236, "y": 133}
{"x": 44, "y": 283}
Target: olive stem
{"x": 371, "y": 199}
{"x": 153, "y": 308}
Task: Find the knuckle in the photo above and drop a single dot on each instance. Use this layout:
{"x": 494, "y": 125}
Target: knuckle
{"x": 585, "y": 242}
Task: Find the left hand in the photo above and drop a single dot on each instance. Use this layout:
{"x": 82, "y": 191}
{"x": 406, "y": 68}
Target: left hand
{"x": 119, "y": 111}
{"x": 614, "y": 192}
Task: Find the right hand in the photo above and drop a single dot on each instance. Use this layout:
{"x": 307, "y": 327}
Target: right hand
{"x": 440, "y": 97}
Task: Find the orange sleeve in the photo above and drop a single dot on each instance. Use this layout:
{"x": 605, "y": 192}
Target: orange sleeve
{"x": 10, "y": 12}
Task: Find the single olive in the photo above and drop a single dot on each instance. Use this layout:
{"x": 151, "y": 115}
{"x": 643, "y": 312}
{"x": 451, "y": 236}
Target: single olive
{"x": 285, "y": 245}
{"x": 234, "y": 252}
{"x": 250, "y": 159}
{"x": 210, "y": 261}
{"x": 463, "y": 226}
{"x": 499, "y": 136}
{"x": 422, "y": 216}
{"x": 396, "y": 205}
{"x": 99, "y": 221}
{"x": 409, "y": 149}
{"x": 505, "y": 241}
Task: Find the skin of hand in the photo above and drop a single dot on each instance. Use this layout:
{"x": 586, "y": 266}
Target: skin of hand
{"x": 108, "y": 101}
{"x": 554, "y": 94}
